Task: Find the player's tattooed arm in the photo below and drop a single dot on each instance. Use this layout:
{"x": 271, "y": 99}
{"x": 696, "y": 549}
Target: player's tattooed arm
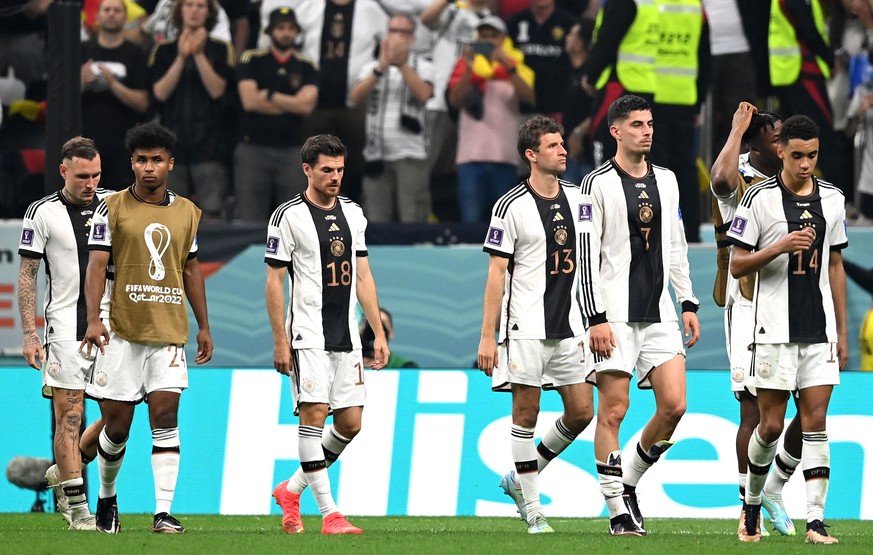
{"x": 27, "y": 276}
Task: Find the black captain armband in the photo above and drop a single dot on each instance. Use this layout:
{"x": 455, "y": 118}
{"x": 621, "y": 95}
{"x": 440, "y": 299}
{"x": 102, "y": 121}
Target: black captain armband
{"x": 688, "y": 306}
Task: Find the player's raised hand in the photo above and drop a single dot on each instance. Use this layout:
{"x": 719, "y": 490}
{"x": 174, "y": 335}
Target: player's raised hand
{"x": 96, "y": 337}
{"x": 743, "y": 115}
{"x": 33, "y": 350}
{"x": 692, "y": 328}
{"x": 487, "y": 357}
{"x": 204, "y": 347}
{"x": 601, "y": 340}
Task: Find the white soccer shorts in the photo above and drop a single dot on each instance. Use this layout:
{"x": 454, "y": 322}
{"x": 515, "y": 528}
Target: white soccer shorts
{"x": 65, "y": 367}
{"x": 547, "y": 363}
{"x": 739, "y": 326}
{"x": 643, "y": 346}
{"x": 790, "y": 366}
{"x": 330, "y": 377}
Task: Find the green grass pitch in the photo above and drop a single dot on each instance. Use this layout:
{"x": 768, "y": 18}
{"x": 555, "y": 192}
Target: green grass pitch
{"x": 254, "y": 535}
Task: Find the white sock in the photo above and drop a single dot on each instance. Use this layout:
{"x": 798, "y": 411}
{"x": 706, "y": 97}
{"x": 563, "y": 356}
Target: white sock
{"x": 333, "y": 444}
{"x": 109, "y": 458}
{"x": 557, "y": 438}
{"x": 742, "y": 481}
{"x": 611, "y": 486}
{"x": 165, "y": 466}
{"x": 760, "y": 458}
{"x": 817, "y": 472}
{"x": 524, "y": 454}
{"x": 783, "y": 468}
{"x": 75, "y": 491}
{"x": 313, "y": 464}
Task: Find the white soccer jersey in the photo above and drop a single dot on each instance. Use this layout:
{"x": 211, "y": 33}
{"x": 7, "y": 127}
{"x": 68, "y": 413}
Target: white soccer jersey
{"x": 540, "y": 239}
{"x": 727, "y": 206}
{"x": 57, "y": 231}
{"x": 320, "y": 249}
{"x": 793, "y": 301}
{"x": 633, "y": 244}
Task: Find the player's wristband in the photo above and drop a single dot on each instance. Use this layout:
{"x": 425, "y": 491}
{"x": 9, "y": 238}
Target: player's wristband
{"x": 599, "y": 318}
{"x": 688, "y": 306}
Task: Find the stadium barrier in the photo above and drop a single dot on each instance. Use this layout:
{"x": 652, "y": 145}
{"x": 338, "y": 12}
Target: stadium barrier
{"x": 434, "y": 442}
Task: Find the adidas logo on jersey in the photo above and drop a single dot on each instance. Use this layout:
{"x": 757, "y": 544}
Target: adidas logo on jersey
{"x": 643, "y": 194}
{"x": 558, "y": 217}
{"x": 333, "y": 227}
{"x": 806, "y": 215}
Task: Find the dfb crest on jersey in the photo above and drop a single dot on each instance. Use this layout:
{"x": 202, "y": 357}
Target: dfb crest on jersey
{"x": 646, "y": 213}
{"x": 337, "y": 248}
{"x": 561, "y": 236}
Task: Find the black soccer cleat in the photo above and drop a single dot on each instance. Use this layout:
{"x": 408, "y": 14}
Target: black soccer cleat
{"x": 165, "y": 523}
{"x": 624, "y": 525}
{"x": 633, "y": 507}
{"x": 107, "y": 515}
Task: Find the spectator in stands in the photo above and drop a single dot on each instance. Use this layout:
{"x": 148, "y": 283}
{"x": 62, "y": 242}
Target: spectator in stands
{"x": 800, "y": 65}
{"x": 368, "y": 337}
{"x": 487, "y": 86}
{"x": 114, "y": 91}
{"x": 22, "y": 41}
{"x": 161, "y": 26}
{"x": 277, "y": 88}
{"x": 396, "y": 185}
{"x": 341, "y": 36}
{"x": 190, "y": 76}
{"x": 577, "y": 104}
{"x": 454, "y": 26}
{"x": 861, "y": 112}
{"x": 539, "y": 32}
{"x": 681, "y": 81}
{"x": 620, "y": 61}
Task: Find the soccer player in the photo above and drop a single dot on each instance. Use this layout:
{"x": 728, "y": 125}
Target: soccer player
{"x": 150, "y": 234}
{"x": 633, "y": 246}
{"x": 732, "y": 174}
{"x": 55, "y": 228}
{"x": 790, "y": 229}
{"x": 317, "y": 239}
{"x": 532, "y": 292}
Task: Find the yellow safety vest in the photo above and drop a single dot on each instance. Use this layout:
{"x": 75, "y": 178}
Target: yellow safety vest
{"x": 635, "y": 59}
{"x": 676, "y": 64}
{"x": 784, "y": 49}
{"x": 867, "y": 341}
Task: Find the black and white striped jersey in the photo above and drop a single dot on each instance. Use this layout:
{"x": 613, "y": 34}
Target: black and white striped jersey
{"x": 320, "y": 249}
{"x": 56, "y": 231}
{"x": 632, "y": 246}
{"x": 540, "y": 239}
{"x": 793, "y": 300}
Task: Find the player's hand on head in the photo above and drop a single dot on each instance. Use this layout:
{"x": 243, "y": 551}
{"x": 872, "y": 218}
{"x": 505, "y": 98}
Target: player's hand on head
{"x": 743, "y": 115}
{"x": 204, "y": 347}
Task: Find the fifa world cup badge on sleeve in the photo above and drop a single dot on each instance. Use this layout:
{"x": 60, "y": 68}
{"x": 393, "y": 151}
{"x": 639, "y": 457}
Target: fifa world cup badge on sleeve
{"x": 585, "y": 212}
{"x": 99, "y": 233}
{"x": 272, "y": 245}
{"x": 495, "y": 236}
{"x": 738, "y": 226}
{"x": 27, "y": 237}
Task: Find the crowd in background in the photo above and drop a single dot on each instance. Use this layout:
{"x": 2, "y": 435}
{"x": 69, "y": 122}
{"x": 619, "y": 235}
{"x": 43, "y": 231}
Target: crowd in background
{"x": 427, "y": 94}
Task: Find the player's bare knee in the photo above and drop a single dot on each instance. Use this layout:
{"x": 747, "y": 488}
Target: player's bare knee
{"x": 673, "y": 411}
{"x": 769, "y": 429}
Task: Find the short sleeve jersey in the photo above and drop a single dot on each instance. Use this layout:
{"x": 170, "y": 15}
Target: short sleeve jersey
{"x": 57, "y": 231}
{"x": 539, "y": 237}
{"x": 793, "y": 302}
{"x": 320, "y": 249}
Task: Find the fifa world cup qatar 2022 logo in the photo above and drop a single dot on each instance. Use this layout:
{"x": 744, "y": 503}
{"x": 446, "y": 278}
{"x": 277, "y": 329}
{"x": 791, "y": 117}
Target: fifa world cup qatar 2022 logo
{"x": 157, "y": 240}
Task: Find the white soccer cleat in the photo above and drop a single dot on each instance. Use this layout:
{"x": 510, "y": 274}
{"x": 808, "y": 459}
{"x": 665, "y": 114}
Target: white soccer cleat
{"x": 85, "y": 523}
{"x": 513, "y": 490}
{"x": 538, "y": 525}
{"x": 53, "y": 477}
